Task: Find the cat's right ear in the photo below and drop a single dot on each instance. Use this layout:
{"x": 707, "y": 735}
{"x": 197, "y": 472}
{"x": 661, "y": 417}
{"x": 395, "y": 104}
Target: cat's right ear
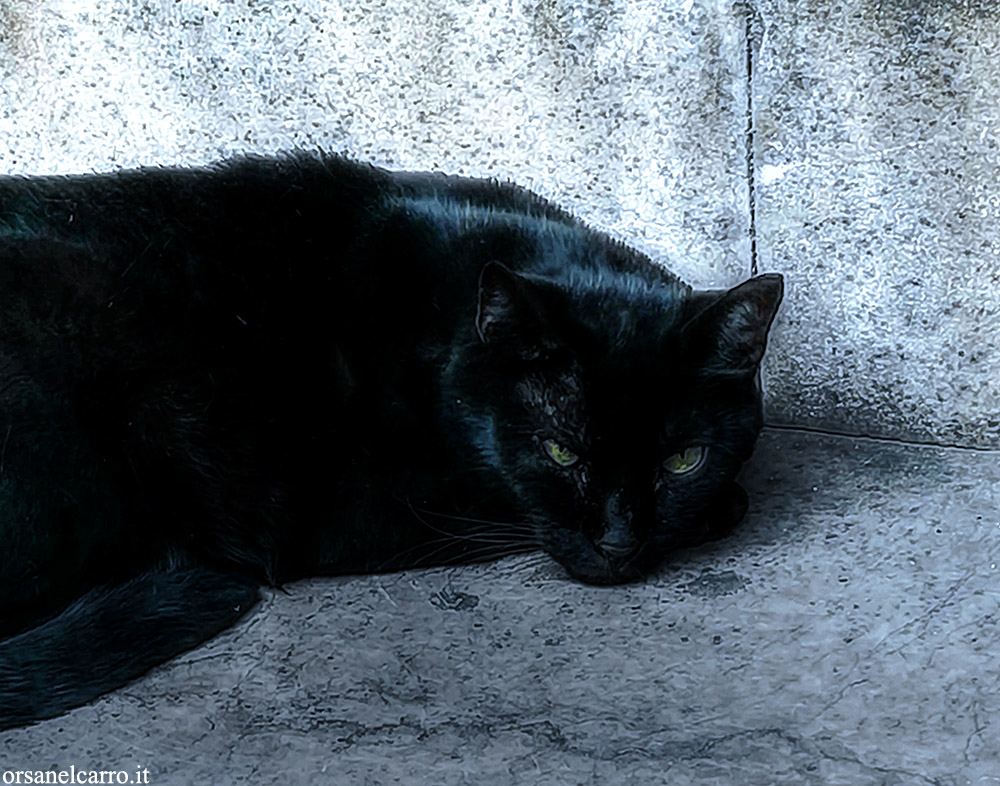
{"x": 730, "y": 332}
{"x": 509, "y": 314}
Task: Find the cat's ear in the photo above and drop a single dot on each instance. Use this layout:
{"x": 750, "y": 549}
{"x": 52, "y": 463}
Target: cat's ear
{"x": 730, "y": 330}
{"x": 509, "y": 314}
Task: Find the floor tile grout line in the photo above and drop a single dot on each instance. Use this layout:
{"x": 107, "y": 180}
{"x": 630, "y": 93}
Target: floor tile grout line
{"x": 870, "y": 438}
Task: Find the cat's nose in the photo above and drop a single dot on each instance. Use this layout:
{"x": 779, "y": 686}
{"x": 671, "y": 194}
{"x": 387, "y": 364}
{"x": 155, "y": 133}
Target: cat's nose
{"x": 618, "y": 542}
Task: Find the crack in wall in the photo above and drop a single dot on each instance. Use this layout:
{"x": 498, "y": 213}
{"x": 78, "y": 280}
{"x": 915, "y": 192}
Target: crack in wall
{"x": 749, "y": 141}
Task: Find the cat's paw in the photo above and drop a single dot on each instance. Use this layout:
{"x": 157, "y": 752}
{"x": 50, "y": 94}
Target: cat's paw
{"x": 721, "y": 519}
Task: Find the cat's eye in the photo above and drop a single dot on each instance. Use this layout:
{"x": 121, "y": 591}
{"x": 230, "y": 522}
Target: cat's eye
{"x": 688, "y": 460}
{"x": 562, "y": 456}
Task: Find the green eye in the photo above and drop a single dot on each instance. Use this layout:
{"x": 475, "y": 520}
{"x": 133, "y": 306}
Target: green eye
{"x": 564, "y": 457}
{"x": 688, "y": 460}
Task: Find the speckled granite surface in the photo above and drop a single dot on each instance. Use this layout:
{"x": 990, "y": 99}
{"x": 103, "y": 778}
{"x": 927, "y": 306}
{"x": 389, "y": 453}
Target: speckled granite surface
{"x": 632, "y": 113}
{"x": 877, "y": 158}
{"x": 846, "y": 635}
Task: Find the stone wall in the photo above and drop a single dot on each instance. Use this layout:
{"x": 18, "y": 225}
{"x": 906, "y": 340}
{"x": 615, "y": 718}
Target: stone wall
{"x": 874, "y": 138}
{"x": 877, "y": 159}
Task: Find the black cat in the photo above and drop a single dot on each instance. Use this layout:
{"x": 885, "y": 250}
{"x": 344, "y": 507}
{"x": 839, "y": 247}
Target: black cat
{"x": 275, "y": 368}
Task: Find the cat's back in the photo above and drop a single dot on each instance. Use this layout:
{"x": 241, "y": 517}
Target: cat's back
{"x": 238, "y": 204}
{"x": 261, "y": 216}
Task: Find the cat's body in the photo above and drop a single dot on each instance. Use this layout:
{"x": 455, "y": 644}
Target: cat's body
{"x": 212, "y": 379}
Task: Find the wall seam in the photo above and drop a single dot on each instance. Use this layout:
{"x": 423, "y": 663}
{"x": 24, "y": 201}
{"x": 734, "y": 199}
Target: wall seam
{"x": 748, "y": 135}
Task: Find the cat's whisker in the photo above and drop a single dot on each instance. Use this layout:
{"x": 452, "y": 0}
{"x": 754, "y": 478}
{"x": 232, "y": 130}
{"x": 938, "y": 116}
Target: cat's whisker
{"x": 536, "y": 560}
{"x": 486, "y": 553}
{"x": 407, "y": 551}
{"x": 525, "y": 525}
{"x": 494, "y": 548}
{"x": 453, "y": 517}
{"x": 452, "y": 535}
{"x": 505, "y": 537}
{"x": 489, "y": 527}
{"x": 457, "y": 558}
{"x": 487, "y": 535}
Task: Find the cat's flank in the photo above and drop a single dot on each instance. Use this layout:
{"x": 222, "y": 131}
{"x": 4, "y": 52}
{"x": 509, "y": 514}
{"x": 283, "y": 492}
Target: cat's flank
{"x": 276, "y": 368}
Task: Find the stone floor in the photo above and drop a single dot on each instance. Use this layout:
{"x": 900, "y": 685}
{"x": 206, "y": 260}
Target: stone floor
{"x": 846, "y": 635}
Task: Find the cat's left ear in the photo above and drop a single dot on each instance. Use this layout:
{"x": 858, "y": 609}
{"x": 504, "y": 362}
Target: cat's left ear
{"x": 732, "y": 330}
{"x": 510, "y": 313}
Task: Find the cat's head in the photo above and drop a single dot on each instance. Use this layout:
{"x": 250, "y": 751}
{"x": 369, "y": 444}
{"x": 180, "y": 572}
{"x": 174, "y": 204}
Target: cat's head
{"x": 617, "y": 412}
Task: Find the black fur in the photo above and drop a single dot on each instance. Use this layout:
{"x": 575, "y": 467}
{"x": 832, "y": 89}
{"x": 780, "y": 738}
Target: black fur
{"x": 275, "y": 368}
{"x": 131, "y": 627}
